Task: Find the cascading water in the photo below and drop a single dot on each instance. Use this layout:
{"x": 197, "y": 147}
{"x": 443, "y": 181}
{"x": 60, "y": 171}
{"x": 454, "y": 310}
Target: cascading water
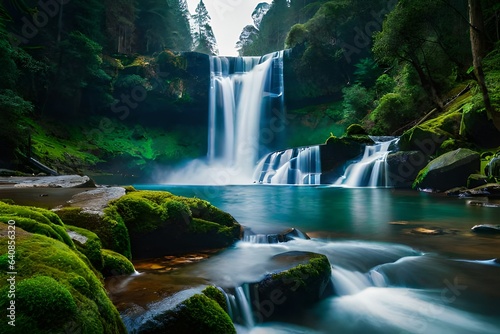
{"x": 293, "y": 166}
{"x": 372, "y": 169}
{"x": 245, "y": 93}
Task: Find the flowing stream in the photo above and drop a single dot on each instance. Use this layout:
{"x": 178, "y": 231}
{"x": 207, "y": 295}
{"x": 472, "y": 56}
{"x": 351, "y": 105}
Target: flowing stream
{"x": 387, "y": 276}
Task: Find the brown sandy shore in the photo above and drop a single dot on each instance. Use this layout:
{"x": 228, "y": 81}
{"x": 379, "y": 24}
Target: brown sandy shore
{"x": 52, "y": 191}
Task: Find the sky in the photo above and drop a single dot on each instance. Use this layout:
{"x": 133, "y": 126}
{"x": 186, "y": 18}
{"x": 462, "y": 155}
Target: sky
{"x": 228, "y": 19}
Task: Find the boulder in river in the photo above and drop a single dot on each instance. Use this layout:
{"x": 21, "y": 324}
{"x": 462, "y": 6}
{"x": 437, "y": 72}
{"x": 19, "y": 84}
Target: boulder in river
{"x": 299, "y": 280}
{"x": 449, "y": 170}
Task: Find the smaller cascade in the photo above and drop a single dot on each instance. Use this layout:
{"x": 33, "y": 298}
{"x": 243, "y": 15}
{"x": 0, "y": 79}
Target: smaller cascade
{"x": 293, "y": 166}
{"x": 372, "y": 170}
{"x": 239, "y": 307}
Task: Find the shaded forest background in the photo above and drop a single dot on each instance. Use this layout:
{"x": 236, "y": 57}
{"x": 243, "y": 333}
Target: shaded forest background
{"x": 119, "y": 85}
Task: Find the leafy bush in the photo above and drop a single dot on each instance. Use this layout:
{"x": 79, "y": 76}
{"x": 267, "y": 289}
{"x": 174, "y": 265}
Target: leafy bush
{"x": 358, "y": 101}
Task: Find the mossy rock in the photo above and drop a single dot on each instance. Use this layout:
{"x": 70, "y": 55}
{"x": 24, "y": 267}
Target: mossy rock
{"x": 88, "y": 243}
{"x": 420, "y": 139}
{"x": 476, "y": 180}
{"x": 449, "y": 170}
{"x": 115, "y": 264}
{"x": 198, "y": 314}
{"x": 36, "y": 220}
{"x": 355, "y": 129}
{"x": 57, "y": 290}
{"x": 478, "y": 128}
{"x": 217, "y": 295}
{"x": 159, "y": 222}
{"x": 303, "y": 278}
{"x": 109, "y": 227}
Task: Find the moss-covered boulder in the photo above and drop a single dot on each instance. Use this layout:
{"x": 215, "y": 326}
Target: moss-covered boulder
{"x": 355, "y": 129}
{"x": 57, "y": 291}
{"x": 199, "y": 314}
{"x": 478, "y": 128}
{"x": 108, "y": 226}
{"x": 115, "y": 264}
{"x": 448, "y": 171}
{"x": 88, "y": 243}
{"x": 160, "y": 222}
{"x": 301, "y": 279}
{"x": 36, "y": 220}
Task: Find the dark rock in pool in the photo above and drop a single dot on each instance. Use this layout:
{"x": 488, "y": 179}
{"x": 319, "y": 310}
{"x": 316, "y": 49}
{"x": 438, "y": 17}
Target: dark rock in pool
{"x": 486, "y": 228}
{"x": 298, "y": 280}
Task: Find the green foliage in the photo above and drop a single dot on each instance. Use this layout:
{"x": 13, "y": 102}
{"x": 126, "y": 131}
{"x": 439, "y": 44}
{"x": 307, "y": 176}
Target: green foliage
{"x": 297, "y": 35}
{"x": 358, "y": 101}
{"x": 128, "y": 82}
{"x": 384, "y": 84}
{"x": 12, "y": 121}
{"x": 366, "y": 72}
{"x": 390, "y": 113}
{"x": 115, "y": 264}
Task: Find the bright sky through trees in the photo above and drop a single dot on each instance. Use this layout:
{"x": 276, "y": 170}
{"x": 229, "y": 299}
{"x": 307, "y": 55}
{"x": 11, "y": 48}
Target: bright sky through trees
{"x": 228, "y": 19}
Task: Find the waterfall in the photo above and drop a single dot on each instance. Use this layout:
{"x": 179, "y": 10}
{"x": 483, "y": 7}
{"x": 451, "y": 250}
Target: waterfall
{"x": 293, "y": 166}
{"x": 239, "y": 100}
{"x": 245, "y": 119}
{"x": 239, "y": 308}
{"x": 372, "y": 169}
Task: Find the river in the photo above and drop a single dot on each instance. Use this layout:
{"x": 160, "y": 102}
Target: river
{"x": 402, "y": 261}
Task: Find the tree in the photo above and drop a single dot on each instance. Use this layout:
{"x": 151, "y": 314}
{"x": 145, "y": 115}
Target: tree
{"x": 120, "y": 25}
{"x": 203, "y": 36}
{"x": 479, "y": 50}
{"x": 433, "y": 46}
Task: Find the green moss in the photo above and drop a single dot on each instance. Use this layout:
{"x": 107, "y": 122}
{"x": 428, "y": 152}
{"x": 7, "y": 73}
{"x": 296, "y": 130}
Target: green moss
{"x": 57, "y": 290}
{"x": 36, "y": 220}
{"x": 216, "y": 294}
{"x": 196, "y": 315}
{"x": 115, "y": 264}
{"x": 129, "y": 189}
{"x": 355, "y": 129}
{"x": 47, "y": 302}
{"x": 140, "y": 215}
{"x": 316, "y": 266}
{"x": 91, "y": 248}
{"x": 110, "y": 227}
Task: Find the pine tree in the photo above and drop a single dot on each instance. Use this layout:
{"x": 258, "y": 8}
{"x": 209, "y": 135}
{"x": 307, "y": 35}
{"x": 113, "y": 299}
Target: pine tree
{"x": 203, "y": 36}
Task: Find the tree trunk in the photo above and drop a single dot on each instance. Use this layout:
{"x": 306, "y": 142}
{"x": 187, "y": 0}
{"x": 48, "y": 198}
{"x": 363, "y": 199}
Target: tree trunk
{"x": 427, "y": 85}
{"x": 478, "y": 47}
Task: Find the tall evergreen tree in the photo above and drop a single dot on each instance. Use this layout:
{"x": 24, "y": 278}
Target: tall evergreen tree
{"x": 203, "y": 35}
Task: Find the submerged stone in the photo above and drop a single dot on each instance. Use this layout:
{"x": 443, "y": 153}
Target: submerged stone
{"x": 486, "y": 228}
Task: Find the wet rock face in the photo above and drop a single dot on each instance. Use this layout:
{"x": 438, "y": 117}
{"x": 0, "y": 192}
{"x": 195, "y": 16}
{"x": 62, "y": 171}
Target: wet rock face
{"x": 300, "y": 279}
{"x": 449, "y": 170}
